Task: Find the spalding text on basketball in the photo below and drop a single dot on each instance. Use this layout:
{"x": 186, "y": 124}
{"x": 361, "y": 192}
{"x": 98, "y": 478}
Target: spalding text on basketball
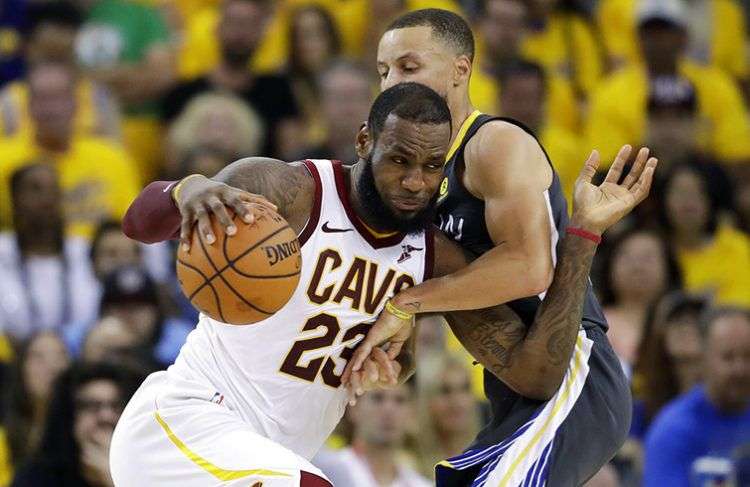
{"x": 277, "y": 253}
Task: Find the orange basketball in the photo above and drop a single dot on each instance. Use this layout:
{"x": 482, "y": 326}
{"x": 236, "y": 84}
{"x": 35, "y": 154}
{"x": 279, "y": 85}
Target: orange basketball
{"x": 244, "y": 278}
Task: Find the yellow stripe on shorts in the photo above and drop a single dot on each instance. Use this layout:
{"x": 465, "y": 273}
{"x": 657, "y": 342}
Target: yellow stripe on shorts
{"x": 558, "y": 404}
{"x": 218, "y": 472}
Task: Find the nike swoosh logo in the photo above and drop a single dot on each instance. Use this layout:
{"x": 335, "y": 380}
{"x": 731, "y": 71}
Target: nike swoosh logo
{"x": 328, "y": 229}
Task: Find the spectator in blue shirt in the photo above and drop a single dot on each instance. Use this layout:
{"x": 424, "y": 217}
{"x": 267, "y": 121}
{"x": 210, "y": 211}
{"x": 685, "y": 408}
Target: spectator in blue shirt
{"x": 708, "y": 424}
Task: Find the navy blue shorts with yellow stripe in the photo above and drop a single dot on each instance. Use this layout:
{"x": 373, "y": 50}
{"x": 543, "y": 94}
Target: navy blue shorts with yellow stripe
{"x": 567, "y": 439}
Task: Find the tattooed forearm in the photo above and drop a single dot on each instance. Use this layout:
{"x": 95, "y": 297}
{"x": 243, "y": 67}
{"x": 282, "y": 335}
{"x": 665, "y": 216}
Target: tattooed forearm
{"x": 551, "y": 338}
{"x": 491, "y": 335}
{"x": 281, "y": 183}
{"x": 533, "y": 362}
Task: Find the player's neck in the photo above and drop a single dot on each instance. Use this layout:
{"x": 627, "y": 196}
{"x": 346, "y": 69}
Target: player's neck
{"x": 381, "y": 459}
{"x": 460, "y": 109}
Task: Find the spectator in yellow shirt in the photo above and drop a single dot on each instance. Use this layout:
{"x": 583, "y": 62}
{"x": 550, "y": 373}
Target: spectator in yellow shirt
{"x": 98, "y": 179}
{"x": 618, "y": 112}
{"x": 714, "y": 257}
{"x": 562, "y": 38}
{"x": 51, "y": 36}
{"x": 716, "y": 29}
{"x": 502, "y": 28}
{"x": 524, "y": 98}
{"x": 314, "y": 42}
{"x": 360, "y": 23}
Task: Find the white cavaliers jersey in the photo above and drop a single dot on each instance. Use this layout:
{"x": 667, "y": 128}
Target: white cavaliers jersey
{"x": 282, "y": 374}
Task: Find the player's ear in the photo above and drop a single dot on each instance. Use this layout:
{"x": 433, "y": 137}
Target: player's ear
{"x": 461, "y": 70}
{"x": 364, "y": 141}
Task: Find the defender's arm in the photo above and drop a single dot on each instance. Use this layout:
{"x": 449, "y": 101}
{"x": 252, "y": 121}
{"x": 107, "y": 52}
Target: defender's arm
{"x": 507, "y": 168}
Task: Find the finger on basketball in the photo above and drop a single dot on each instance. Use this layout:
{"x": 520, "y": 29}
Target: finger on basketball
{"x": 220, "y": 211}
{"x": 614, "y": 173}
{"x": 637, "y": 169}
{"x": 204, "y": 226}
{"x": 257, "y": 199}
{"x": 186, "y": 227}
{"x": 386, "y": 365}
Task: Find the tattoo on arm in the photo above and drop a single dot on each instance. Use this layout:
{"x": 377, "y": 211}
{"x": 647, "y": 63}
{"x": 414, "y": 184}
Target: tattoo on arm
{"x": 558, "y": 319}
{"x": 532, "y": 362}
{"x": 278, "y": 181}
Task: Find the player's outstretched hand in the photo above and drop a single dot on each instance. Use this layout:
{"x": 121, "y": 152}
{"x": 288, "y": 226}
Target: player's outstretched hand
{"x": 596, "y": 208}
{"x": 199, "y": 197}
{"x": 388, "y": 328}
{"x": 378, "y": 372}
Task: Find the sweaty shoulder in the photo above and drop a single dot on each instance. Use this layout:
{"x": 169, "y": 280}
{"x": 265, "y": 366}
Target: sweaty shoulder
{"x": 288, "y": 185}
{"x": 501, "y": 154}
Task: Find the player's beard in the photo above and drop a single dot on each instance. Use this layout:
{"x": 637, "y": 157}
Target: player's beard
{"x": 381, "y": 215}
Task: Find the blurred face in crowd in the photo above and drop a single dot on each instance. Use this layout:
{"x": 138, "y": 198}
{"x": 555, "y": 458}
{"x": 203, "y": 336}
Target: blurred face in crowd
{"x": 219, "y": 130}
{"x": 141, "y": 319}
{"x": 687, "y": 203}
{"x": 413, "y": 54}
{"x": 207, "y": 163}
{"x": 672, "y": 134}
{"x": 98, "y": 405}
{"x": 662, "y": 45}
{"x": 682, "y": 341}
{"x": 502, "y": 27}
{"x": 381, "y": 417}
{"x": 639, "y": 268}
{"x": 453, "y": 407}
{"x": 38, "y": 199}
{"x": 52, "y": 103}
{"x": 727, "y": 362}
{"x": 522, "y": 97}
{"x": 110, "y": 340}
{"x": 240, "y": 30}
{"x": 52, "y": 41}
{"x": 46, "y": 358}
{"x": 314, "y": 41}
{"x": 115, "y": 250}
{"x": 345, "y": 100}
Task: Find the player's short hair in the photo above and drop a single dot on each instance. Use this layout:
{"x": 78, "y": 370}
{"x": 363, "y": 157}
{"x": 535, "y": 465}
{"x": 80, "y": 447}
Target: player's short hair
{"x": 413, "y": 102}
{"x": 447, "y": 26}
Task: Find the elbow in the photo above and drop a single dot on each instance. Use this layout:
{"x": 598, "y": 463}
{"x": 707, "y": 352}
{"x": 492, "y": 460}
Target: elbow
{"x": 539, "y": 279}
{"x": 539, "y": 386}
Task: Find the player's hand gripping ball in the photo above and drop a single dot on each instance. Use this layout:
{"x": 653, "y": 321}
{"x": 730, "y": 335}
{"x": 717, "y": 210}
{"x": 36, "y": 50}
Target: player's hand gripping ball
{"x": 243, "y": 278}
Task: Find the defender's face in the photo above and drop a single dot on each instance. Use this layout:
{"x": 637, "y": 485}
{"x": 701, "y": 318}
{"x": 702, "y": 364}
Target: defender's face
{"x": 407, "y": 164}
{"x": 411, "y": 54}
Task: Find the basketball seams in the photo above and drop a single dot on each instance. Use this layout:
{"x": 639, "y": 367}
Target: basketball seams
{"x": 230, "y": 263}
{"x": 218, "y": 273}
{"x": 206, "y": 282}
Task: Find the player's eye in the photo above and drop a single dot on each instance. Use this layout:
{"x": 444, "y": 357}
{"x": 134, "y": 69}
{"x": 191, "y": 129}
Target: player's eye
{"x": 383, "y": 74}
{"x": 398, "y": 160}
{"x": 409, "y": 69}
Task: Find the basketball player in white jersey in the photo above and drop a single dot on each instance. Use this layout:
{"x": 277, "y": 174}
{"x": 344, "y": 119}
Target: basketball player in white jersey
{"x": 250, "y": 405}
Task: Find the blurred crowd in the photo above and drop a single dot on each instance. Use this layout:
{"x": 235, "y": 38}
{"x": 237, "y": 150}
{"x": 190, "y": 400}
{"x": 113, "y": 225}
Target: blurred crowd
{"x": 99, "y": 97}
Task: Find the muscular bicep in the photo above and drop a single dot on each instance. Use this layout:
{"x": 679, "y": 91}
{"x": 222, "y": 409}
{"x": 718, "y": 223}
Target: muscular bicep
{"x": 509, "y": 171}
{"x": 289, "y": 186}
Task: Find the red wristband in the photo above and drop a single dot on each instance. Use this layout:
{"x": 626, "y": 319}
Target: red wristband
{"x": 597, "y": 239}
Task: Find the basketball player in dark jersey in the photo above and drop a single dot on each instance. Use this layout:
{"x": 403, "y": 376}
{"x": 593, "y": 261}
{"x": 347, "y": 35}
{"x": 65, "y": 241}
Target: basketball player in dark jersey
{"x": 560, "y": 403}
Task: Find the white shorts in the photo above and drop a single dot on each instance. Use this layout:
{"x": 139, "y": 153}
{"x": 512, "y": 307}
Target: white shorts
{"x": 190, "y": 442}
